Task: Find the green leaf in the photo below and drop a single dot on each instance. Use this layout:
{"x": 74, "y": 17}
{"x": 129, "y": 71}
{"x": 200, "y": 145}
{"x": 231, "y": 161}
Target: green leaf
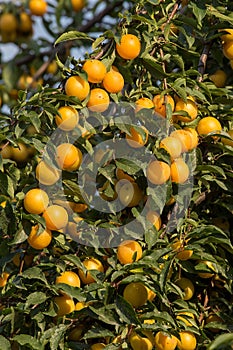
{"x": 10, "y": 74}
{"x": 58, "y": 336}
{"x": 35, "y": 218}
{"x": 221, "y": 341}
{"x": 164, "y": 274}
{"x": 74, "y": 292}
{"x": 135, "y": 277}
{"x": 39, "y": 146}
{"x": 35, "y": 298}
{"x": 228, "y": 206}
{"x": 72, "y": 35}
{"x": 25, "y": 339}
{"x": 164, "y": 316}
{"x": 153, "y": 63}
{"x": 34, "y": 273}
{"x": 6, "y": 223}
{"x": 98, "y": 332}
{"x": 211, "y": 168}
{"x": 105, "y": 314}
{"x": 154, "y": 2}
{"x": 126, "y": 311}
{"x": 73, "y": 259}
{"x": 179, "y": 60}
{"x": 19, "y": 237}
{"x": 4, "y": 343}
{"x": 108, "y": 172}
{"x": 128, "y": 166}
{"x": 216, "y": 325}
{"x": 180, "y": 91}
{"x": 6, "y": 185}
{"x": 72, "y": 188}
{"x": 158, "y": 196}
{"x": 151, "y": 237}
{"x": 190, "y": 41}
{"x": 97, "y": 42}
{"x": 154, "y": 256}
{"x": 212, "y": 11}
{"x": 199, "y": 11}
{"x": 221, "y": 184}
{"x": 123, "y": 124}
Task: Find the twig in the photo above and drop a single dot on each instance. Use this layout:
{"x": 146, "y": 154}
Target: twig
{"x": 99, "y": 16}
{"x": 203, "y": 60}
{"x": 5, "y": 145}
{"x": 164, "y": 69}
{"x": 21, "y": 264}
{"x": 200, "y": 199}
{"x": 40, "y": 71}
{"x": 86, "y": 27}
{"x": 172, "y": 14}
{"x": 103, "y": 50}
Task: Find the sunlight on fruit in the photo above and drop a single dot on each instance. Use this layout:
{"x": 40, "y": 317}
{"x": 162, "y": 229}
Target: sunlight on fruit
{"x": 90, "y": 264}
{"x": 136, "y": 294}
{"x": 219, "y": 78}
{"x": 187, "y": 341}
{"x": 129, "y": 47}
{"x": 165, "y": 342}
{"x": 129, "y": 251}
{"x": 3, "y": 279}
{"x": 68, "y": 277}
{"x": 65, "y": 305}
{"x": 187, "y": 287}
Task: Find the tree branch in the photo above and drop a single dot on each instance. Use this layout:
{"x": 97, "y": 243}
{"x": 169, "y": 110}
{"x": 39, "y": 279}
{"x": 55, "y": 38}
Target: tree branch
{"x": 164, "y": 69}
{"x": 99, "y": 17}
{"x": 203, "y": 60}
{"x": 172, "y": 14}
{"x": 53, "y": 50}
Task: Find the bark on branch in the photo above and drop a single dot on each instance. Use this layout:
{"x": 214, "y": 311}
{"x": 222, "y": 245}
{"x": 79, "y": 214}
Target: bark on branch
{"x": 203, "y": 60}
{"x": 53, "y": 50}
